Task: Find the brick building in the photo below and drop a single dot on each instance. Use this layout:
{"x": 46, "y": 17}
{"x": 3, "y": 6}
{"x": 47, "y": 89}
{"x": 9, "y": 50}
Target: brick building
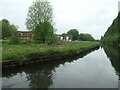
{"x": 27, "y": 35}
{"x": 65, "y": 37}
{"x": 24, "y": 34}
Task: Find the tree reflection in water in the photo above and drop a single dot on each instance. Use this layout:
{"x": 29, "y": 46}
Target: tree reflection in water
{"x": 41, "y": 78}
{"x": 113, "y": 53}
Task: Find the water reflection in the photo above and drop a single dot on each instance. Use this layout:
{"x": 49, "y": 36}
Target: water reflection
{"x": 41, "y": 78}
{"x": 36, "y": 76}
{"x": 113, "y": 53}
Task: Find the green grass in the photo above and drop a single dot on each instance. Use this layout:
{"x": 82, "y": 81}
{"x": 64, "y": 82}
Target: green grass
{"x": 19, "y": 52}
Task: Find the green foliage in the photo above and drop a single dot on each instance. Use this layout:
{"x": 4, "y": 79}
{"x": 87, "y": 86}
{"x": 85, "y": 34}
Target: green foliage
{"x": 43, "y": 31}
{"x": 113, "y": 52}
{"x": 74, "y": 33}
{"x": 14, "y": 39}
{"x": 38, "y": 12}
{"x": 7, "y": 29}
{"x": 112, "y": 35}
{"x": 0, "y": 30}
{"x": 53, "y": 39}
{"x": 86, "y": 37}
{"x": 14, "y": 29}
{"x": 64, "y": 34}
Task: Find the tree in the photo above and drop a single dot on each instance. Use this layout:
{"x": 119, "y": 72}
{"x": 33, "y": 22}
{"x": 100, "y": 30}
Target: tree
{"x": 74, "y": 33}
{"x": 0, "y": 30}
{"x": 14, "y": 38}
{"x": 13, "y": 29}
{"x": 39, "y": 20}
{"x": 7, "y": 29}
{"x": 64, "y": 34}
{"x": 86, "y": 37}
{"x": 43, "y": 31}
{"x": 54, "y": 39}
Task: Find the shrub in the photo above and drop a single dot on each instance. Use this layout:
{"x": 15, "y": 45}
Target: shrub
{"x": 53, "y": 40}
{"x": 14, "y": 40}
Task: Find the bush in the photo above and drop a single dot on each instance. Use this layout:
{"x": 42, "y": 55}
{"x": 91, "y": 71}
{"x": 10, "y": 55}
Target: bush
{"x": 14, "y": 40}
{"x": 53, "y": 40}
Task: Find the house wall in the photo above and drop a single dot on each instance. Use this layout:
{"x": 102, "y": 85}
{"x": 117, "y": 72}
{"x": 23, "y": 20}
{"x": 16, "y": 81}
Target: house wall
{"x": 23, "y": 34}
{"x": 65, "y": 38}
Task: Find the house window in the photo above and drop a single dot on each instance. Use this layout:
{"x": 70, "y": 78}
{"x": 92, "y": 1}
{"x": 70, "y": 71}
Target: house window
{"x": 61, "y": 38}
{"x": 67, "y": 38}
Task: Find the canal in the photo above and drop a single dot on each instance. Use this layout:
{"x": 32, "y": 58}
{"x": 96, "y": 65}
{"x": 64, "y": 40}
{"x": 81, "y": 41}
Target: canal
{"x": 97, "y": 69}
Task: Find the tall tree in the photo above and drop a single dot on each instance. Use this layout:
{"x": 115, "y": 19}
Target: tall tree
{"x": 39, "y": 20}
{"x": 74, "y": 33}
{"x": 5, "y": 28}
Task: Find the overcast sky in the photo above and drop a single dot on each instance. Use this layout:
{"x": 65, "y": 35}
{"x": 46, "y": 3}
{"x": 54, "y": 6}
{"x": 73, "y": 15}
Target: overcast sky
{"x": 88, "y": 16}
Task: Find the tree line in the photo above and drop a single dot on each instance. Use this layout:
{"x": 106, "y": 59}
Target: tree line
{"x": 112, "y": 35}
{"x": 81, "y": 36}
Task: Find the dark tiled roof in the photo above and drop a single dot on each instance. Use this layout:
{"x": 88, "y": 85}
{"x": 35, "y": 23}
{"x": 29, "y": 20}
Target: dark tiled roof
{"x": 24, "y": 31}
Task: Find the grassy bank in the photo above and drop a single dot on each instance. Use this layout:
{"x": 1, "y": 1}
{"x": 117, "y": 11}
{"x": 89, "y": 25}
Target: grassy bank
{"x": 23, "y": 52}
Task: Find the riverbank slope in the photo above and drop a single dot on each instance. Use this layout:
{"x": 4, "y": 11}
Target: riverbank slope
{"x": 15, "y": 55}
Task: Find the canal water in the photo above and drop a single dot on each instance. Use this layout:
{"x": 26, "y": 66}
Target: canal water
{"x": 97, "y": 69}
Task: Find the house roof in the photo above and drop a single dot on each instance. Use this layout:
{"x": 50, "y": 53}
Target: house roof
{"x": 24, "y": 31}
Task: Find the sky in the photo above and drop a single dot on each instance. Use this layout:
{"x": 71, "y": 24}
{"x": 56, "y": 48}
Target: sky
{"x": 87, "y": 16}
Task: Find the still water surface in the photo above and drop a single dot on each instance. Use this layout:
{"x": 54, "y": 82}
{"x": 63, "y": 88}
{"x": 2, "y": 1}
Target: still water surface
{"x": 97, "y": 69}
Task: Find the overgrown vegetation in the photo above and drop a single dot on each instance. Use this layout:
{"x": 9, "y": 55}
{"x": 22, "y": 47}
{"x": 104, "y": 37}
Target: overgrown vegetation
{"x": 21, "y": 51}
{"x": 112, "y": 35}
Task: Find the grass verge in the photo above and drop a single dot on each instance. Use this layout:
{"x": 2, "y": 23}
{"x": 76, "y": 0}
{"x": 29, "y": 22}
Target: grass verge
{"x": 35, "y": 51}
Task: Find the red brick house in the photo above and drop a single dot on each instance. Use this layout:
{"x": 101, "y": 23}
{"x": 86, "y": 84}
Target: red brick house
{"x": 24, "y": 34}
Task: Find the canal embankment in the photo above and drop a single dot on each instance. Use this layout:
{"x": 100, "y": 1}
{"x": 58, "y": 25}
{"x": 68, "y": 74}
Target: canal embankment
{"x": 20, "y": 55}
